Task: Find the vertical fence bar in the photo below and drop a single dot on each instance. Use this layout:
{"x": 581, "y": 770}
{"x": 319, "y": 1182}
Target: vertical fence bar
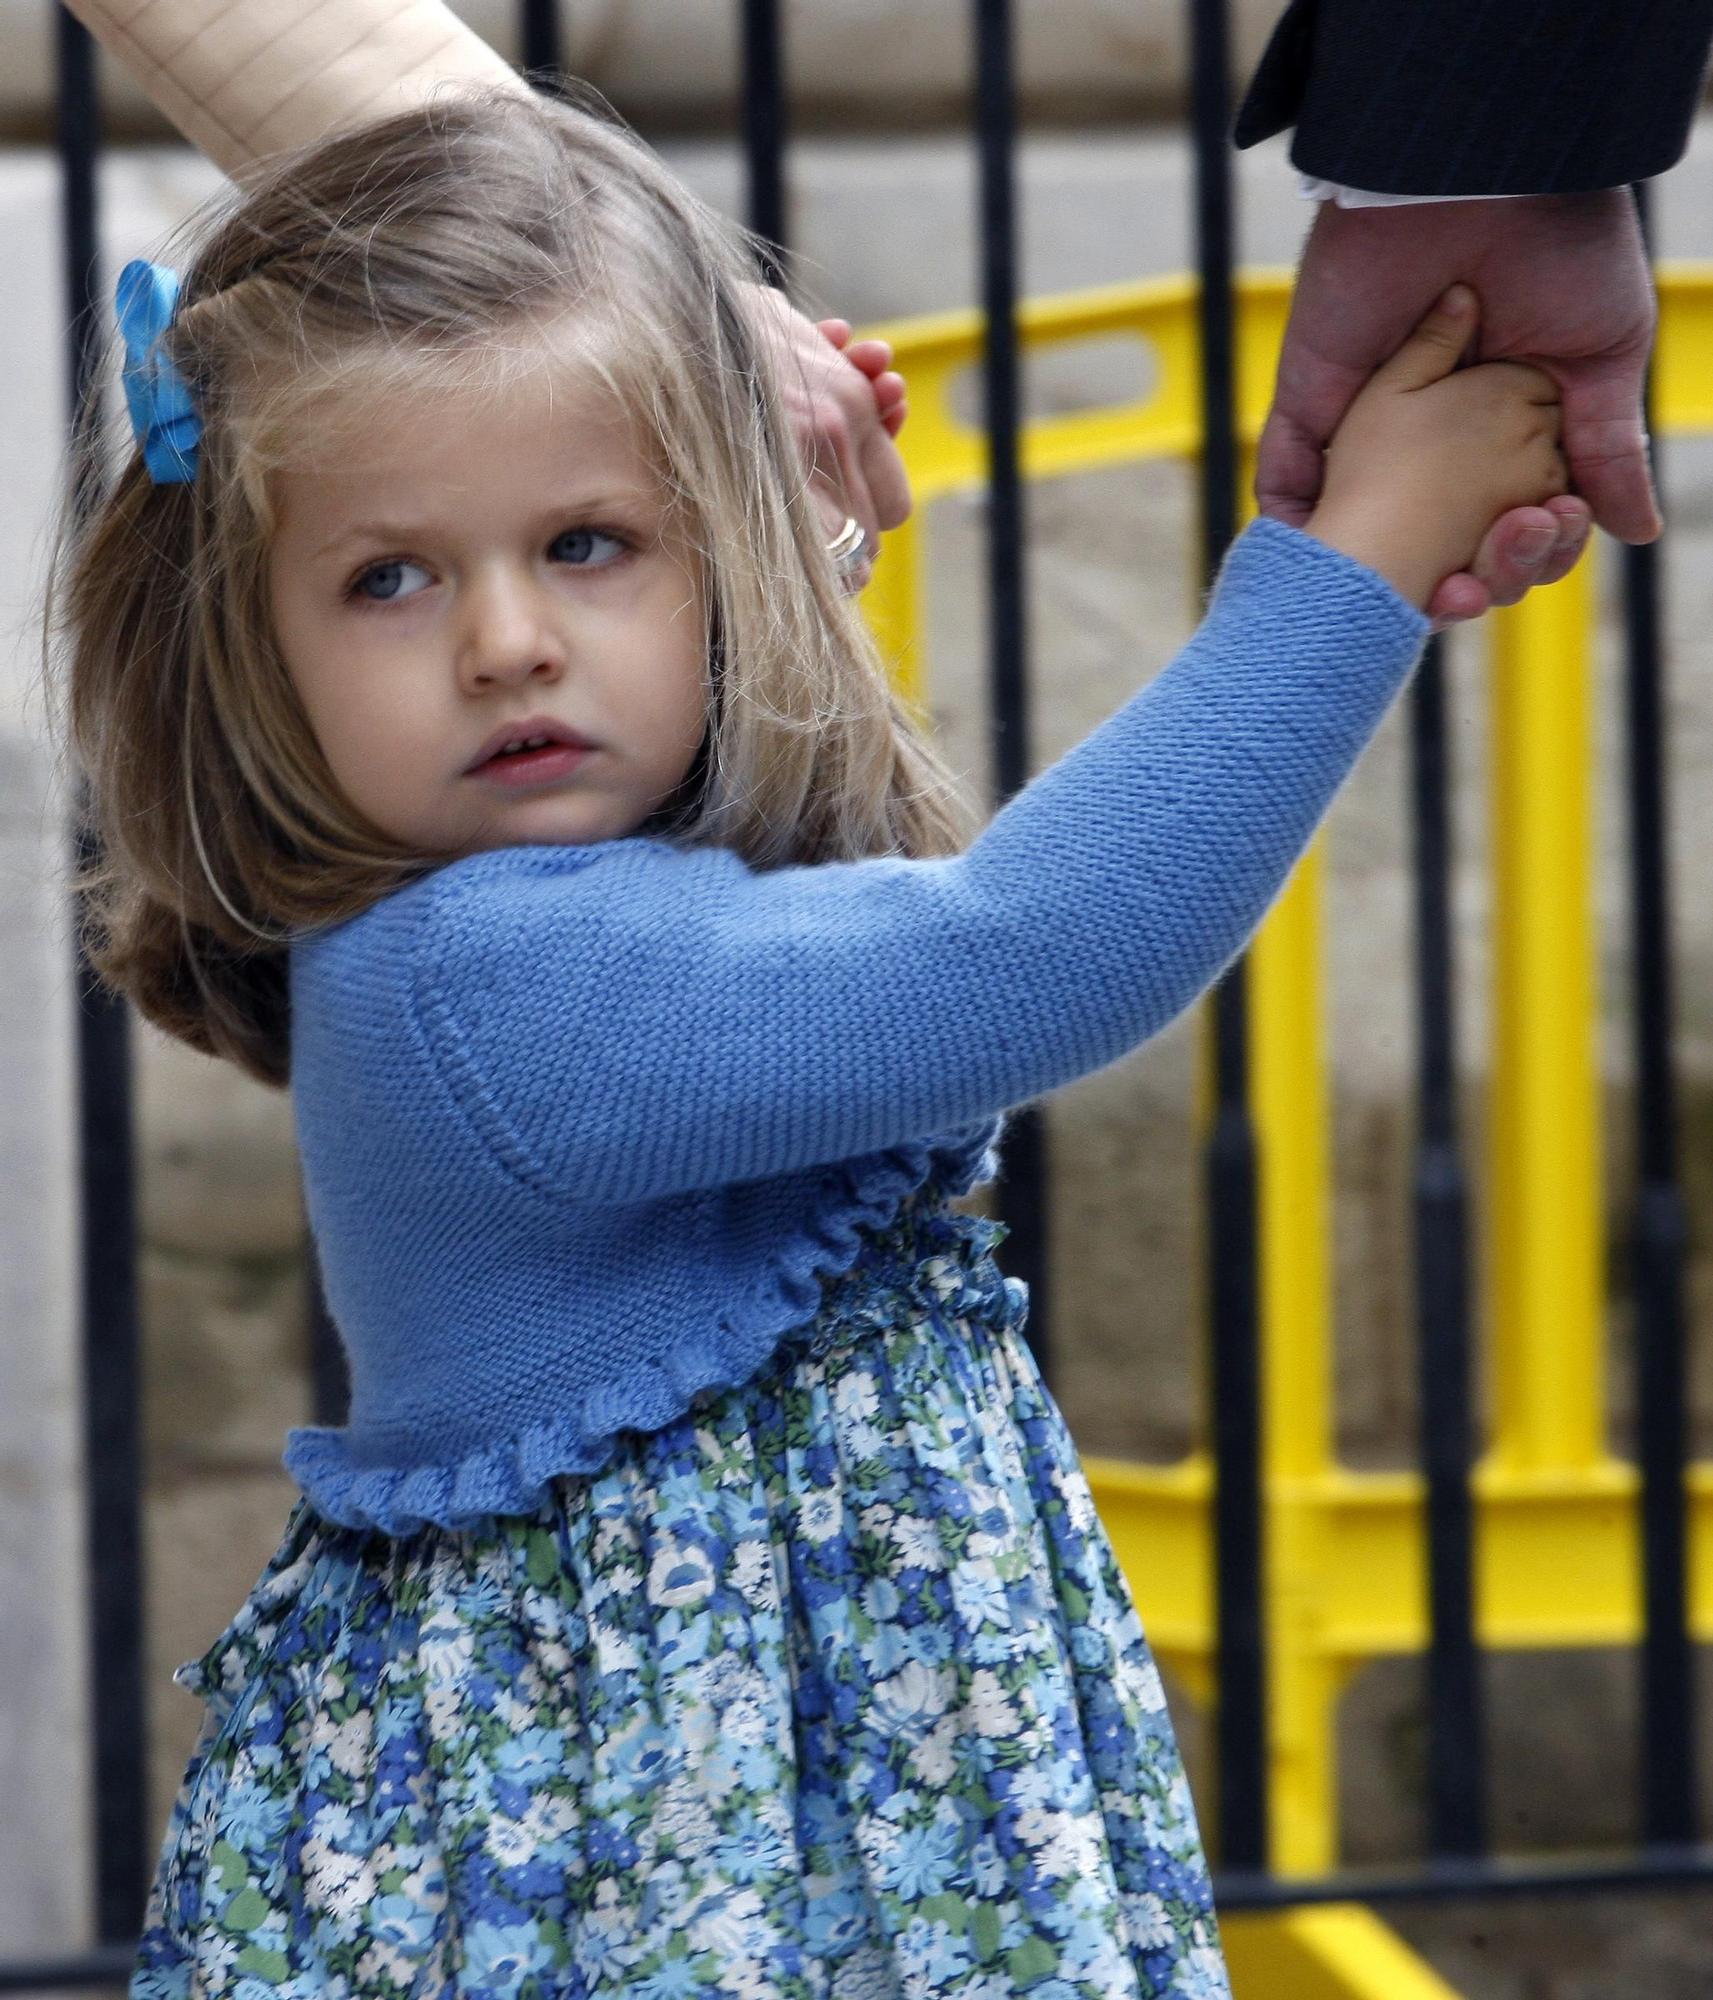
{"x": 1233, "y": 1250}
{"x": 1660, "y": 1226}
{"x": 764, "y": 124}
{"x": 1022, "y": 1193}
{"x": 111, "y": 1370}
{"x": 541, "y": 38}
{"x": 1456, "y": 1812}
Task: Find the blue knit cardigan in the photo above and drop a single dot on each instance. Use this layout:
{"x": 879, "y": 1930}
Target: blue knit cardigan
{"x": 582, "y": 1128}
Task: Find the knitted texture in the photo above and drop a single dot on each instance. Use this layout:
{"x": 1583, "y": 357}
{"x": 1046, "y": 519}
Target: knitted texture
{"x": 584, "y": 1128}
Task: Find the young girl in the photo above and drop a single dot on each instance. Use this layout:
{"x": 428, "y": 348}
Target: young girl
{"x": 704, "y": 1596}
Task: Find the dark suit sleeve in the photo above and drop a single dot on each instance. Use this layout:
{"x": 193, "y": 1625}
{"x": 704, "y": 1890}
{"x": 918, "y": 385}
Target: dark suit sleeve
{"x": 1482, "y": 96}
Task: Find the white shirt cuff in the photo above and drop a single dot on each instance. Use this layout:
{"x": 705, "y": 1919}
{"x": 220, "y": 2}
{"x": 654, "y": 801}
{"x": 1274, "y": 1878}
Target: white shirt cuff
{"x": 1348, "y": 197}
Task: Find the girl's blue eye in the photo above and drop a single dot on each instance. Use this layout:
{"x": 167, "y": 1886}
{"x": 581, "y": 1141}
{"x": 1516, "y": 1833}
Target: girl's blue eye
{"x": 383, "y": 583}
{"x": 575, "y": 545}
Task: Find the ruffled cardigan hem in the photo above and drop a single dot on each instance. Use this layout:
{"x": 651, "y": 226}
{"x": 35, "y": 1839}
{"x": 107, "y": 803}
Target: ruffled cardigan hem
{"x": 510, "y": 1475}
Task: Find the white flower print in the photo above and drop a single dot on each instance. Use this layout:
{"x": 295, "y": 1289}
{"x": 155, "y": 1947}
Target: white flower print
{"x": 332, "y": 1824}
{"x": 425, "y": 1885}
{"x": 698, "y": 1725}
{"x": 748, "y": 1980}
{"x": 1202, "y": 1975}
{"x": 854, "y": 1397}
{"x": 868, "y": 1975}
{"x": 352, "y": 1743}
{"x": 989, "y": 1708}
{"x": 326, "y": 1871}
{"x": 727, "y": 1677}
{"x": 446, "y": 1653}
{"x": 1079, "y": 1502}
{"x": 942, "y": 1274}
{"x": 979, "y": 1595}
{"x": 621, "y": 1582}
{"x": 554, "y": 1659}
{"x": 375, "y": 1965}
{"x": 1073, "y": 1853}
{"x": 517, "y": 1714}
{"x": 1038, "y": 1826}
{"x": 615, "y": 1652}
{"x": 353, "y": 1892}
{"x": 510, "y": 1841}
{"x": 1140, "y": 1680}
{"x": 912, "y": 1693}
{"x": 722, "y": 1923}
{"x": 682, "y": 1819}
{"x": 218, "y": 1955}
{"x": 933, "y": 1760}
{"x": 918, "y": 1543}
{"x": 1034, "y": 1785}
{"x": 1150, "y": 1926}
{"x": 442, "y": 1704}
{"x": 679, "y": 1576}
{"x": 822, "y": 1516}
{"x": 866, "y": 1441}
{"x": 751, "y": 1572}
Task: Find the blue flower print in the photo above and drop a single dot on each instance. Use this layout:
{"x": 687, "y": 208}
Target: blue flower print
{"x": 830, "y": 1690}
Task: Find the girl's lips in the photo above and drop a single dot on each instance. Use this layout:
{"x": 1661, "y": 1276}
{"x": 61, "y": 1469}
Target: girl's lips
{"x": 534, "y": 767}
{"x": 544, "y": 726}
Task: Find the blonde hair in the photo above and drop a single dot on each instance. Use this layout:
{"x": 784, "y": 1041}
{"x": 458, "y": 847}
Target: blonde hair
{"x": 462, "y": 235}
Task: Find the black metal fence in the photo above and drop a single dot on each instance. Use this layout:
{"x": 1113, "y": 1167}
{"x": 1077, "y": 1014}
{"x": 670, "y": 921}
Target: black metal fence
{"x": 1458, "y": 1862}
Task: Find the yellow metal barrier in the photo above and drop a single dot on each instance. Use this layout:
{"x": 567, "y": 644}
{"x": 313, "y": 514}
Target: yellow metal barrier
{"x": 1557, "y": 1542}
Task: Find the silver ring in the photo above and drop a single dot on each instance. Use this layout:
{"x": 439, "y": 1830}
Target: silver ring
{"x": 849, "y": 547}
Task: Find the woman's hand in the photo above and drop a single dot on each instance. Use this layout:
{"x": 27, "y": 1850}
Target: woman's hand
{"x": 846, "y": 404}
{"x": 874, "y": 358}
{"x": 1430, "y": 455}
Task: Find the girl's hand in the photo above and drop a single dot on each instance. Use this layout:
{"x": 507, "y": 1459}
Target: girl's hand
{"x": 845, "y": 406}
{"x": 1429, "y": 455}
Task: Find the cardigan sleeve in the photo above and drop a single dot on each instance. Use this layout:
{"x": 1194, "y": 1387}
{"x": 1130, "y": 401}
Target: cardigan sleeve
{"x": 630, "y": 1019}
{"x": 245, "y": 78}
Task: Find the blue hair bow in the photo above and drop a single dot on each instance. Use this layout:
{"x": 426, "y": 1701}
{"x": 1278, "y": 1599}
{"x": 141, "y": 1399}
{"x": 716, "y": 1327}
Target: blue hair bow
{"x": 162, "y": 414}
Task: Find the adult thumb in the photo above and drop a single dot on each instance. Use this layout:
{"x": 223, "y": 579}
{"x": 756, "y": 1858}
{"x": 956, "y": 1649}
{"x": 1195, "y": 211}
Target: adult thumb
{"x": 1438, "y": 343}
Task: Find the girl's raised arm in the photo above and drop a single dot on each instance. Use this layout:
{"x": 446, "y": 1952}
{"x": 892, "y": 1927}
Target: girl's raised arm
{"x": 629, "y": 1020}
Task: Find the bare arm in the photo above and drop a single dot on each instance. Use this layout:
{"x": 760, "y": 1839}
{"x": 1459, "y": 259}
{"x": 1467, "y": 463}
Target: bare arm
{"x": 245, "y": 78}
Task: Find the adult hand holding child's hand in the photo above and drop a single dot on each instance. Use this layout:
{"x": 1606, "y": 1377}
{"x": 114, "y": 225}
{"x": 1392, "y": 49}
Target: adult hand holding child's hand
{"x": 1564, "y": 283}
{"x": 1429, "y": 455}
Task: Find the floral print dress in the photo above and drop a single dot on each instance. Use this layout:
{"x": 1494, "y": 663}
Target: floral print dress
{"x": 830, "y": 1690}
